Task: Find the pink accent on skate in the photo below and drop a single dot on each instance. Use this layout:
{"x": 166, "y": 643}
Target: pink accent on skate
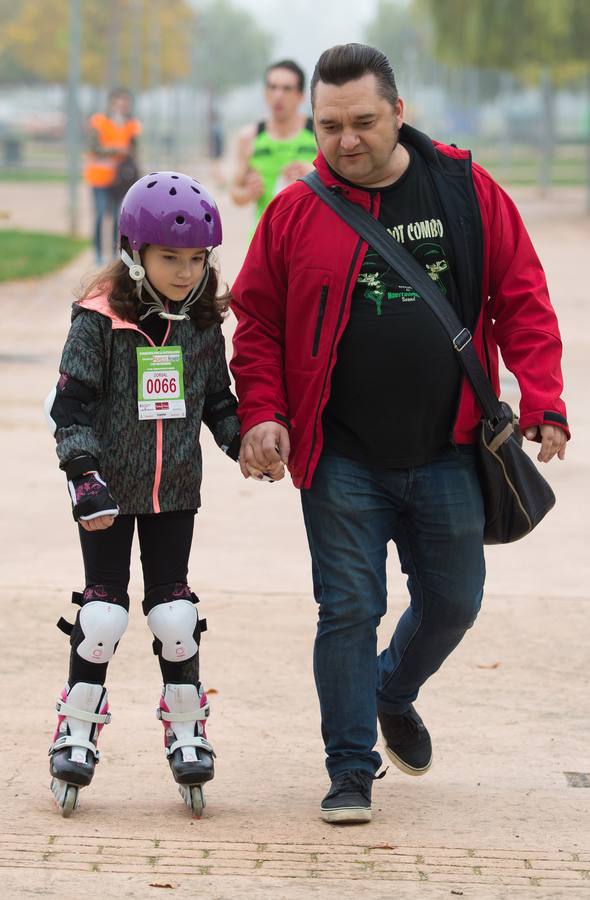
{"x": 63, "y": 380}
{"x": 104, "y": 710}
{"x": 165, "y": 707}
{"x": 201, "y": 724}
{"x": 181, "y": 591}
{"x": 63, "y": 696}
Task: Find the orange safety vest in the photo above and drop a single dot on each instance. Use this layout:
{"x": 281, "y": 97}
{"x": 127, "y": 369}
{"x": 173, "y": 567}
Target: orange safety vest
{"x": 100, "y": 170}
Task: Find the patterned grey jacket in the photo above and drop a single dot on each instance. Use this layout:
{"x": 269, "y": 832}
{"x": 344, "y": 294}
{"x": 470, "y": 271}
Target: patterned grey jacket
{"x": 150, "y": 466}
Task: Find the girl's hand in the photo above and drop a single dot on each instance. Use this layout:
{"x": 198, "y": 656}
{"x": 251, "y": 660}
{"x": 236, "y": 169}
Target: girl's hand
{"x": 272, "y": 473}
{"x": 98, "y": 524}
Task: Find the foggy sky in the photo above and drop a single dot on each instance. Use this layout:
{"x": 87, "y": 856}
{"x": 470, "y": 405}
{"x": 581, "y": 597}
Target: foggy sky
{"x": 304, "y": 28}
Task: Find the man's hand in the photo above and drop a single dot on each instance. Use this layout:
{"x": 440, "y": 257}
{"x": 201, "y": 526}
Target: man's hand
{"x": 253, "y": 185}
{"x": 553, "y": 441}
{"x": 265, "y": 451}
{"x": 296, "y": 170}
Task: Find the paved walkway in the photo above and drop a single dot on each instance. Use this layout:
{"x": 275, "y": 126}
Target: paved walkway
{"x": 504, "y": 811}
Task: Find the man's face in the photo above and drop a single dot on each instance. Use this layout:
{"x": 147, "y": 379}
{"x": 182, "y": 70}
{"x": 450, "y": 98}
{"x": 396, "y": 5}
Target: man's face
{"x": 357, "y": 129}
{"x": 120, "y": 104}
{"x": 282, "y": 93}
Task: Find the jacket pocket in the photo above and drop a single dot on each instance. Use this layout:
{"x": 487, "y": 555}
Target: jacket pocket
{"x": 320, "y": 320}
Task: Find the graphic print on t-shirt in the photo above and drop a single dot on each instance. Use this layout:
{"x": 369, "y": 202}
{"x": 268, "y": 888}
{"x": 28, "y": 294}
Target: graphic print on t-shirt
{"x": 382, "y": 284}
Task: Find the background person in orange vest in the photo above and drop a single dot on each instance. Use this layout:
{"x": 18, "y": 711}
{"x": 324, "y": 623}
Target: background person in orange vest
{"x": 112, "y": 143}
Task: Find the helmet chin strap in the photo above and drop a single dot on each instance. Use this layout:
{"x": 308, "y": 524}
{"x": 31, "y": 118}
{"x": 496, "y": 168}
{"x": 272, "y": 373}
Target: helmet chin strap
{"x": 137, "y": 274}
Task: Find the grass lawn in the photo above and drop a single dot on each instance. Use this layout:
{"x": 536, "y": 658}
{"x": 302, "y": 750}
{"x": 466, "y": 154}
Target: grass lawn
{"x": 29, "y": 254}
{"x": 30, "y": 175}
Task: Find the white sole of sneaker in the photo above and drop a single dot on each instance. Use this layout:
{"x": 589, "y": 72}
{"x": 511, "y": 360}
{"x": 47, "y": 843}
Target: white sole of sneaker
{"x": 346, "y": 815}
{"x": 404, "y": 767}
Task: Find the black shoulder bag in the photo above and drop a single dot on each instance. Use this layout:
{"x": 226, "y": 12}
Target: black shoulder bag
{"x": 516, "y": 496}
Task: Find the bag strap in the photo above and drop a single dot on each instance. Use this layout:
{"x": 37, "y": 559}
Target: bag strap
{"x": 377, "y": 236}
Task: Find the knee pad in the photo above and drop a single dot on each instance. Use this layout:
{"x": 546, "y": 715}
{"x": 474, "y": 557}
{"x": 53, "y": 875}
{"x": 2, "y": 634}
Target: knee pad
{"x": 173, "y": 620}
{"x": 100, "y": 623}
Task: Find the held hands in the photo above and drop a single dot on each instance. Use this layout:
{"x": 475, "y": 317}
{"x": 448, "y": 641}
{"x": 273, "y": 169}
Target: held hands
{"x": 92, "y": 505}
{"x": 553, "y": 441}
{"x": 265, "y": 452}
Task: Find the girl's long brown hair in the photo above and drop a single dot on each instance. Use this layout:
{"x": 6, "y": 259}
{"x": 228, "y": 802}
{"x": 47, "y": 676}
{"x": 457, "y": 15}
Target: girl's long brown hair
{"x": 210, "y": 309}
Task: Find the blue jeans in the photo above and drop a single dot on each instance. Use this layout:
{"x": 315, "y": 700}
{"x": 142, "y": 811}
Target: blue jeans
{"x": 434, "y": 515}
{"x": 104, "y": 205}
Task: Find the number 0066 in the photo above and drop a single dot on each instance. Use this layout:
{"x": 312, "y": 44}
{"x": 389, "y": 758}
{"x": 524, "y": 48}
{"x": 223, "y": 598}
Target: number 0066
{"x": 157, "y": 385}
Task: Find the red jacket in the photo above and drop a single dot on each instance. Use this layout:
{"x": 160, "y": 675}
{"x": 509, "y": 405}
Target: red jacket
{"x": 292, "y": 301}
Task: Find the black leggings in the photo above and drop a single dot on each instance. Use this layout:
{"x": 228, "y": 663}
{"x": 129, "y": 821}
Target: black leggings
{"x": 165, "y": 542}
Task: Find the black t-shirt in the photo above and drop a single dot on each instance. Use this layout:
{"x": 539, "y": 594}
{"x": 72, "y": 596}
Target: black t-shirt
{"x": 396, "y": 381}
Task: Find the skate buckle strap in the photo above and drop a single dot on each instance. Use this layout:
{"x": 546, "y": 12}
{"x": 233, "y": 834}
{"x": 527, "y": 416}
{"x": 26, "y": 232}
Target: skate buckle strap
{"x": 194, "y": 716}
{"x": 191, "y": 742}
{"x": 68, "y": 741}
{"x": 64, "y": 709}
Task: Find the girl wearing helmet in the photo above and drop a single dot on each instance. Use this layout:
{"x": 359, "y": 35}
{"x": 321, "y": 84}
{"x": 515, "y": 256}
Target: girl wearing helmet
{"x": 143, "y": 366}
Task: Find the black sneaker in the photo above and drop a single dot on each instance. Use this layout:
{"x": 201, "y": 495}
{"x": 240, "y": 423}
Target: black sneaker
{"x": 407, "y": 742}
{"x": 349, "y": 797}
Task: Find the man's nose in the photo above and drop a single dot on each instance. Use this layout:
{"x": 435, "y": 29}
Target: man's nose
{"x": 349, "y": 140}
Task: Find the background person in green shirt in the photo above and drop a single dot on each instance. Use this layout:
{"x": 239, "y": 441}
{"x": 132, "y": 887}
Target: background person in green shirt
{"x": 277, "y": 151}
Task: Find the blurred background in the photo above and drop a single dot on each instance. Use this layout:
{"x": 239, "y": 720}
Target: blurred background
{"x": 509, "y": 80}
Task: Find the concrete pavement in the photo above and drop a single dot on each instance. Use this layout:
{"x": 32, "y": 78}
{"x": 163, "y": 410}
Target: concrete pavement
{"x": 498, "y": 816}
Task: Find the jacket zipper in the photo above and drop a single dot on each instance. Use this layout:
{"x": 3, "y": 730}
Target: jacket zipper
{"x": 320, "y": 320}
{"x": 340, "y": 314}
{"x": 159, "y": 445}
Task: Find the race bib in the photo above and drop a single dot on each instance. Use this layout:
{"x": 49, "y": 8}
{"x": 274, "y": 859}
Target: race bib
{"x": 160, "y": 384}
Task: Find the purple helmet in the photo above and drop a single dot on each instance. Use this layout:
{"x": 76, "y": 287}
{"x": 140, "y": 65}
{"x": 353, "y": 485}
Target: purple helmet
{"x": 170, "y": 209}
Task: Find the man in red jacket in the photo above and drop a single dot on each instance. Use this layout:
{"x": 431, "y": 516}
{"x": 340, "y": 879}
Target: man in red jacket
{"x": 344, "y": 373}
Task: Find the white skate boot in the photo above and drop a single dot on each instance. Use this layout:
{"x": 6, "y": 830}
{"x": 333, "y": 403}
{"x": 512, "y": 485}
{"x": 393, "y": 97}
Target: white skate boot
{"x": 183, "y": 710}
{"x": 82, "y": 712}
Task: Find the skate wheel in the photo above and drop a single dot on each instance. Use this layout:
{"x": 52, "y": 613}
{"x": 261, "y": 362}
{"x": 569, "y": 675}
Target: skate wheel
{"x": 197, "y": 800}
{"x": 66, "y": 796}
{"x": 70, "y": 801}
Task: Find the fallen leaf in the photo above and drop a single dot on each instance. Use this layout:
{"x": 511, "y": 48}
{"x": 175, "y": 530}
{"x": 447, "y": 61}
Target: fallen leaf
{"x": 211, "y": 691}
{"x": 489, "y": 665}
{"x": 163, "y": 885}
{"x": 382, "y": 847}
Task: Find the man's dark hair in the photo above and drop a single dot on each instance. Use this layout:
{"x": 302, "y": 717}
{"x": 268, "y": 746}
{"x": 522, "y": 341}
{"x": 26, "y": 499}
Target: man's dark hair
{"x": 120, "y": 91}
{"x": 348, "y": 62}
{"x": 292, "y": 67}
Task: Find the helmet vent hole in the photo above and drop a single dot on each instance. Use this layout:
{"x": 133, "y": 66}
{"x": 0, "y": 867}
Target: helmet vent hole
{"x": 207, "y": 217}
{"x": 152, "y": 183}
{"x": 172, "y": 191}
{"x": 196, "y": 190}
{"x": 175, "y": 177}
{"x": 180, "y": 220}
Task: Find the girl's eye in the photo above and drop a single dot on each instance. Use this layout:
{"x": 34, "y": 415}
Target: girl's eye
{"x": 169, "y": 257}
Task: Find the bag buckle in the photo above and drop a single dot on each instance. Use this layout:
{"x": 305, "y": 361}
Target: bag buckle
{"x": 461, "y": 340}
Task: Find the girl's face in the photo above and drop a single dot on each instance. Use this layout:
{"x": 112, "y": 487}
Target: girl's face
{"x": 174, "y": 271}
